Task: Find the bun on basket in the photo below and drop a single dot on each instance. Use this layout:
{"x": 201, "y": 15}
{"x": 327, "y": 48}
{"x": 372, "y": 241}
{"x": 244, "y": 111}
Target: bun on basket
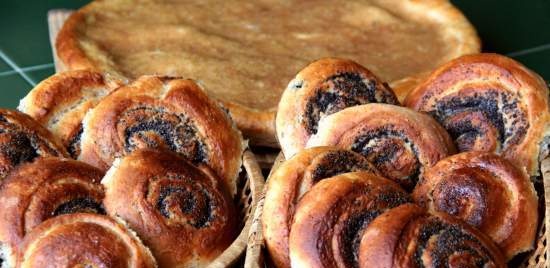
{"x": 183, "y": 213}
{"x": 60, "y": 102}
{"x": 22, "y": 140}
{"x": 167, "y": 113}
{"x": 83, "y": 240}
{"x": 491, "y": 103}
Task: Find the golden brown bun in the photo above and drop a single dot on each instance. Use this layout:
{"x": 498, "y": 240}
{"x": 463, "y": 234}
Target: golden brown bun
{"x": 46, "y": 188}
{"x": 245, "y": 52}
{"x": 183, "y": 214}
{"x": 404, "y": 86}
{"x": 60, "y": 102}
{"x": 322, "y": 88}
{"x": 400, "y": 142}
{"x": 330, "y": 218}
{"x": 489, "y": 102}
{"x": 406, "y": 236}
{"x": 83, "y": 240}
{"x": 168, "y": 113}
{"x": 486, "y": 191}
{"x": 22, "y": 140}
{"x": 290, "y": 181}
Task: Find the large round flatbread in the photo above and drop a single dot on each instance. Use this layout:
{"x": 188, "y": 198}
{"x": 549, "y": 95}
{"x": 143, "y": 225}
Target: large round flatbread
{"x": 245, "y": 52}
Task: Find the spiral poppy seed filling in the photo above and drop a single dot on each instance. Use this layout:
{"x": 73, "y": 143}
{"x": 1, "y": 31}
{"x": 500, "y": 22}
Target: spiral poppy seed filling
{"x": 449, "y": 240}
{"x": 393, "y": 154}
{"x": 356, "y": 224}
{"x": 187, "y": 202}
{"x": 338, "y": 162}
{"x": 351, "y": 236}
{"x": 73, "y": 146}
{"x": 462, "y": 197}
{"x": 157, "y": 128}
{"x": 16, "y": 146}
{"x": 341, "y": 91}
{"x": 20, "y": 149}
{"x": 78, "y": 205}
{"x": 498, "y": 110}
{"x": 363, "y": 212}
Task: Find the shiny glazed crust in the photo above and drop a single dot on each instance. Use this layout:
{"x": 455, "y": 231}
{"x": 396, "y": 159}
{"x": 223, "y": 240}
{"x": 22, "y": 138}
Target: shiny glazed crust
{"x": 83, "y": 239}
{"x": 22, "y": 140}
{"x": 163, "y": 112}
{"x": 48, "y": 187}
{"x": 489, "y": 102}
{"x": 400, "y": 142}
{"x": 183, "y": 214}
{"x": 455, "y": 34}
{"x": 486, "y": 191}
{"x": 291, "y": 181}
{"x": 322, "y": 88}
{"x": 60, "y": 102}
{"x": 330, "y": 218}
{"x": 406, "y": 236}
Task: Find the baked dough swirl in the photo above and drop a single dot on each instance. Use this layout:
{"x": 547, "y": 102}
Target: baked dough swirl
{"x": 291, "y": 181}
{"x": 400, "y": 142}
{"x": 45, "y": 188}
{"x": 22, "y": 140}
{"x": 486, "y": 191}
{"x": 168, "y": 113}
{"x": 60, "y": 102}
{"x": 83, "y": 240}
{"x": 183, "y": 213}
{"x": 490, "y": 103}
{"x": 406, "y": 236}
{"x": 322, "y": 88}
{"x": 330, "y": 218}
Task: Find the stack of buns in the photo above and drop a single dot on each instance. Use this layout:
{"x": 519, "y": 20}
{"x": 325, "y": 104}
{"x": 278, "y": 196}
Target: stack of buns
{"x": 100, "y": 172}
{"x": 443, "y": 180}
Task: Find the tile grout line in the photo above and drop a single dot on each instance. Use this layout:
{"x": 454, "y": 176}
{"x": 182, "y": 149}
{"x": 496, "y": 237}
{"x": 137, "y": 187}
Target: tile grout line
{"x": 16, "y": 68}
{"x": 28, "y": 68}
{"x": 529, "y": 50}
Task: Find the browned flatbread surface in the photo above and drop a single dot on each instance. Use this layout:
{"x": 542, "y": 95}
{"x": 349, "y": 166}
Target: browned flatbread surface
{"x": 245, "y": 52}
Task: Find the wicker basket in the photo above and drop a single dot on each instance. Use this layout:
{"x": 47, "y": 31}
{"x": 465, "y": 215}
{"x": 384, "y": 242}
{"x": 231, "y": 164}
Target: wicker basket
{"x": 251, "y": 181}
{"x": 256, "y": 255}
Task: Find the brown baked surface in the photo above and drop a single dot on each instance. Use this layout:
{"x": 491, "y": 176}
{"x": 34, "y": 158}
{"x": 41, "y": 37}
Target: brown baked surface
{"x": 489, "y": 102}
{"x": 43, "y": 189}
{"x": 83, "y": 240}
{"x": 183, "y": 213}
{"x": 245, "y": 52}
{"x": 60, "y": 102}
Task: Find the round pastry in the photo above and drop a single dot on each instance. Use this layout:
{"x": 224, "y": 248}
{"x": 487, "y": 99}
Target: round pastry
{"x": 322, "y": 88}
{"x": 83, "y": 240}
{"x": 22, "y": 140}
{"x": 60, "y": 102}
{"x": 486, "y": 191}
{"x": 330, "y": 218}
{"x": 489, "y": 103}
{"x": 183, "y": 213}
{"x": 246, "y": 52}
{"x": 45, "y": 188}
{"x": 290, "y": 181}
{"x": 406, "y": 236}
{"x": 398, "y": 141}
{"x": 168, "y": 113}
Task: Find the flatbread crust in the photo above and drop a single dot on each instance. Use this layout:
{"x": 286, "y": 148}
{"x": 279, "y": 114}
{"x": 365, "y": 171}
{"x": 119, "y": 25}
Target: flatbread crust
{"x": 245, "y": 52}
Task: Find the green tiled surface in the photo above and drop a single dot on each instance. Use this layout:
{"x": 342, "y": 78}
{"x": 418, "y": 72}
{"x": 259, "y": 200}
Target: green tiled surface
{"x": 24, "y": 29}
{"x": 4, "y": 67}
{"x": 12, "y": 89}
{"x": 511, "y": 27}
{"x": 39, "y": 75}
